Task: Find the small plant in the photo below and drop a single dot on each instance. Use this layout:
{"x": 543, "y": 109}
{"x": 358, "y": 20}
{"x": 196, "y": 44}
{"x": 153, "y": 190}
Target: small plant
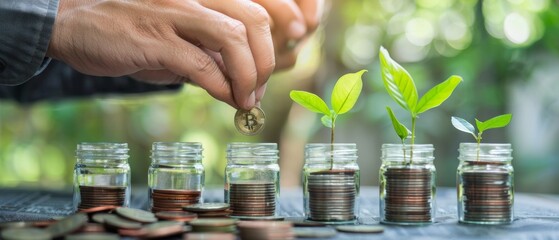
{"x": 344, "y": 96}
{"x": 496, "y": 122}
{"x": 401, "y": 87}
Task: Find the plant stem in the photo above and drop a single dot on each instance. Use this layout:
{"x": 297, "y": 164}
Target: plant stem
{"x": 413, "y": 118}
{"x": 478, "y": 139}
{"x": 332, "y": 146}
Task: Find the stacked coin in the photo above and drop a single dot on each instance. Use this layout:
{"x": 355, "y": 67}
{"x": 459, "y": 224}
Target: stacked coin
{"x": 173, "y": 200}
{"x": 95, "y": 196}
{"x": 214, "y": 225}
{"x": 332, "y": 195}
{"x": 209, "y": 210}
{"x": 408, "y": 196}
{"x": 265, "y": 230}
{"x": 253, "y": 199}
{"x": 487, "y": 197}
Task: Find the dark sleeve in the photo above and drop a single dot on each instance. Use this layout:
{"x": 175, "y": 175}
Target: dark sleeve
{"x": 25, "y": 30}
{"x": 59, "y": 81}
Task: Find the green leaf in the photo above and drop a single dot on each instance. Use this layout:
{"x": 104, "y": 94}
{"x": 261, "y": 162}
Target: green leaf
{"x": 496, "y": 122}
{"x": 346, "y": 92}
{"x": 400, "y": 129}
{"x": 397, "y": 81}
{"x": 327, "y": 121}
{"x": 463, "y": 125}
{"x": 438, "y": 94}
{"x": 310, "y": 101}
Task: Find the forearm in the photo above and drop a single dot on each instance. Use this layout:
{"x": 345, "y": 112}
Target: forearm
{"x": 25, "y": 30}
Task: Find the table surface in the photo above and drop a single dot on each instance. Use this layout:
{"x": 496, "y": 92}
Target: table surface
{"x": 536, "y": 215}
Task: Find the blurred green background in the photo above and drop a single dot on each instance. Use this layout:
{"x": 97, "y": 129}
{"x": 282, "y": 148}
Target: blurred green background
{"x": 507, "y": 51}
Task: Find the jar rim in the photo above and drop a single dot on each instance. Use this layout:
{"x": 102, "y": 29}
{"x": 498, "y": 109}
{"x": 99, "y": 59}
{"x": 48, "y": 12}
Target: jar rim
{"x": 399, "y": 145}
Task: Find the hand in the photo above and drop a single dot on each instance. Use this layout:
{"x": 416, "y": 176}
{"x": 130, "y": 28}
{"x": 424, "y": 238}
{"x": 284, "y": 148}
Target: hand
{"x": 170, "y": 41}
{"x": 293, "y": 21}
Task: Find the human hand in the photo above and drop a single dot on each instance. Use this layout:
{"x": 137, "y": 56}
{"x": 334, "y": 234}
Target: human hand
{"x": 224, "y": 47}
{"x": 293, "y": 21}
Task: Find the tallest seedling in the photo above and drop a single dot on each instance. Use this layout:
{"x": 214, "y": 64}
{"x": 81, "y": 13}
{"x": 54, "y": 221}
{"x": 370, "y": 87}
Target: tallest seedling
{"x": 401, "y": 87}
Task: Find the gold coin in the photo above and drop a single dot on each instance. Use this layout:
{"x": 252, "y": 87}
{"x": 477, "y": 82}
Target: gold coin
{"x": 250, "y": 122}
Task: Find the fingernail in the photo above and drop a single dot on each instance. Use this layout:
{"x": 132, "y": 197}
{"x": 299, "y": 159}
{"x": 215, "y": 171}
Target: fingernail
{"x": 249, "y": 104}
{"x": 260, "y": 92}
{"x": 297, "y": 30}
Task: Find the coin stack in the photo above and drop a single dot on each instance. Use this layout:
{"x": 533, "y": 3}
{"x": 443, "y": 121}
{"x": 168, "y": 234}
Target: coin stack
{"x": 95, "y": 196}
{"x": 173, "y": 200}
{"x": 487, "y": 197}
{"x": 265, "y": 230}
{"x": 255, "y": 199}
{"x": 408, "y": 196}
{"x": 332, "y": 195}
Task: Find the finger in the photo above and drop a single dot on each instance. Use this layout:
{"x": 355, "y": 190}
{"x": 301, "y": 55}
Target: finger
{"x": 256, "y": 20}
{"x": 286, "y": 16}
{"x": 190, "y": 62}
{"x": 260, "y": 93}
{"x": 312, "y": 11}
{"x": 227, "y": 36}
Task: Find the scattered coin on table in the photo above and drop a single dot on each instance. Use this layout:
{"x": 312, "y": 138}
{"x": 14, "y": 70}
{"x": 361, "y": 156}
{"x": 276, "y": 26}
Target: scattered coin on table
{"x": 137, "y": 215}
{"x": 250, "y": 122}
{"x": 314, "y": 232}
{"x": 360, "y": 228}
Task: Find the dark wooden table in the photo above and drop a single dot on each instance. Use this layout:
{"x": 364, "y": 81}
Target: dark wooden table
{"x": 537, "y": 215}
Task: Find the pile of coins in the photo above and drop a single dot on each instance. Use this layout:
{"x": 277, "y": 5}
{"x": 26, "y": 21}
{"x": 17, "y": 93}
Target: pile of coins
{"x": 487, "y": 197}
{"x": 123, "y": 222}
{"x": 332, "y": 195}
{"x": 408, "y": 196}
{"x": 209, "y": 210}
{"x": 252, "y": 199}
{"x": 173, "y": 200}
{"x": 95, "y": 196}
{"x": 265, "y": 230}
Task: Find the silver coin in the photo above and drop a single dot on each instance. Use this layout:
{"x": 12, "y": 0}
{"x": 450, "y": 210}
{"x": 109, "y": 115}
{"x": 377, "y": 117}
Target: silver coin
{"x": 250, "y": 122}
{"x": 314, "y": 232}
{"x": 206, "y": 207}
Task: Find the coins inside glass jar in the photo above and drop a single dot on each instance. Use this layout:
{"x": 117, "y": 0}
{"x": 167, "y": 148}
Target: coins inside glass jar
{"x": 408, "y": 195}
{"x": 96, "y": 196}
{"x": 173, "y": 200}
{"x": 332, "y": 195}
{"x": 486, "y": 196}
{"x": 253, "y": 199}
{"x": 250, "y": 122}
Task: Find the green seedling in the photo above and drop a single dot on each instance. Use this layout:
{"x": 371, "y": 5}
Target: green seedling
{"x": 496, "y": 122}
{"x": 400, "y": 86}
{"x": 344, "y": 96}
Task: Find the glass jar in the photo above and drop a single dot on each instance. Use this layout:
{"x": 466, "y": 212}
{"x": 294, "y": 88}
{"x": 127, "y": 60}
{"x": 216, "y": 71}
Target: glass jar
{"x": 101, "y": 175}
{"x": 407, "y": 184}
{"x": 485, "y": 184}
{"x": 175, "y": 176}
{"x": 331, "y": 183}
{"x": 252, "y": 179}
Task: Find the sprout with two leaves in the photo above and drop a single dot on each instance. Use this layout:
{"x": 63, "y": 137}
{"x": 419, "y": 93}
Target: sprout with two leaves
{"x": 344, "y": 96}
{"x": 496, "y": 122}
{"x": 401, "y": 87}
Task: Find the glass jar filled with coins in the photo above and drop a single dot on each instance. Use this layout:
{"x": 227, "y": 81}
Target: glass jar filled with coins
{"x": 252, "y": 179}
{"x": 485, "y": 183}
{"x": 101, "y": 175}
{"x": 175, "y": 176}
{"x": 331, "y": 183}
{"x": 407, "y": 184}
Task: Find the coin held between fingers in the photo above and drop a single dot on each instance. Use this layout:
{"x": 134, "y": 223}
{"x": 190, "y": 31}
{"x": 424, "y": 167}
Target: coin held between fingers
{"x": 250, "y": 122}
